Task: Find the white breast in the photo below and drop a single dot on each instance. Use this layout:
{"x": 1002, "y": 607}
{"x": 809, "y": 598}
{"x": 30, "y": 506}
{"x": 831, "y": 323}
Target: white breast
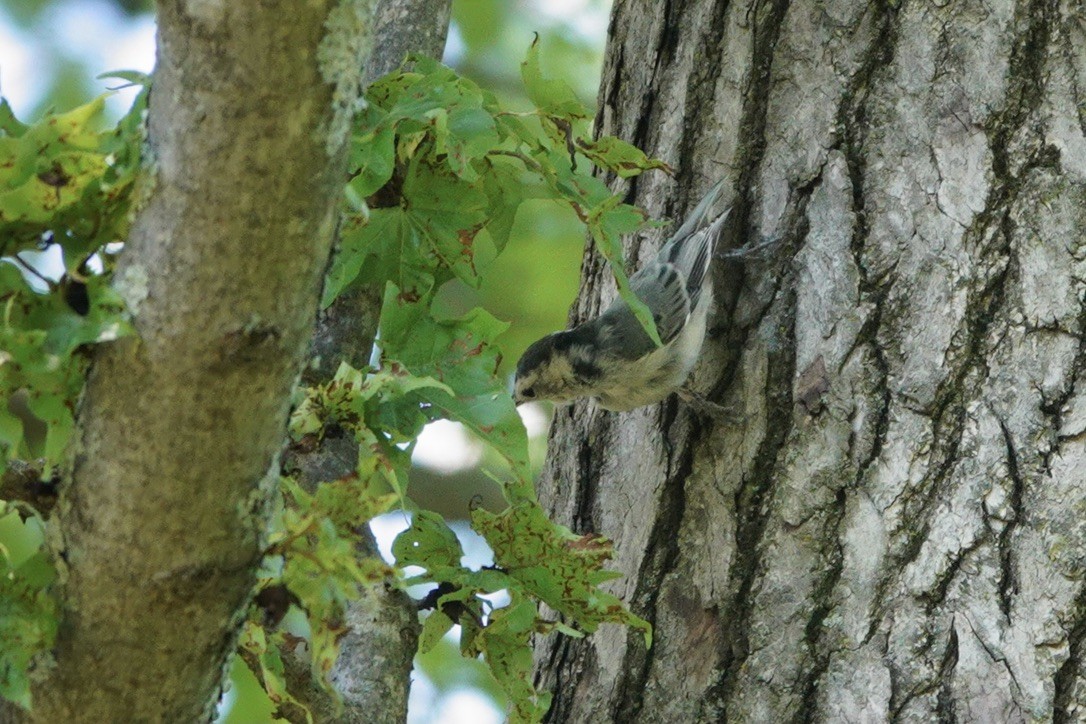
{"x": 662, "y": 371}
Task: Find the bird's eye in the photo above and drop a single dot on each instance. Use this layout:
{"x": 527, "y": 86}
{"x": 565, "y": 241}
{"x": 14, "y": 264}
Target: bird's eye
{"x": 528, "y": 392}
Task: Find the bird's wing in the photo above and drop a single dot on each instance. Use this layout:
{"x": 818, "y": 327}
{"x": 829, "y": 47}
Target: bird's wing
{"x": 691, "y": 255}
{"x": 671, "y": 284}
{"x": 695, "y": 218}
{"x": 661, "y": 286}
{"x": 662, "y": 290}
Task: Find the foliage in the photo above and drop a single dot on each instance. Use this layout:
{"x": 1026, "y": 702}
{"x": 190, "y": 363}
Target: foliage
{"x": 439, "y": 169}
{"x": 66, "y": 187}
{"x": 28, "y": 615}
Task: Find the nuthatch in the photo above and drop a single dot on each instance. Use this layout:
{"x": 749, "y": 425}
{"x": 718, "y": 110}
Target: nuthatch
{"x": 612, "y": 357}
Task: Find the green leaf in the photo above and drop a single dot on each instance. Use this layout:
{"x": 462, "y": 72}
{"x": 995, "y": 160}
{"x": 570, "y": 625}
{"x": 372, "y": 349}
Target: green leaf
{"x": 429, "y": 543}
{"x": 552, "y": 97}
{"x": 357, "y": 499}
{"x": 607, "y": 223}
{"x": 373, "y": 151}
{"x": 426, "y": 240}
{"x": 504, "y": 186}
{"x": 9, "y": 124}
{"x": 461, "y": 354}
{"x": 434, "y": 628}
{"x": 556, "y": 566}
{"x": 271, "y": 670}
{"x": 505, "y": 643}
{"x": 63, "y": 182}
{"x": 623, "y": 158}
{"x": 471, "y": 133}
{"x": 29, "y": 615}
{"x": 41, "y": 336}
{"x": 133, "y": 77}
{"x": 381, "y": 248}
{"x": 447, "y": 213}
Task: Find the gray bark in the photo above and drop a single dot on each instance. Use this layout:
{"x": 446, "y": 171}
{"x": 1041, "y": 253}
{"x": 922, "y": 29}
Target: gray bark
{"x": 161, "y": 522}
{"x": 894, "y": 531}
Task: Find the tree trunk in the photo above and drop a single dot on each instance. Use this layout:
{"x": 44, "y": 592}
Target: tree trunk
{"x": 161, "y": 523}
{"x": 893, "y": 530}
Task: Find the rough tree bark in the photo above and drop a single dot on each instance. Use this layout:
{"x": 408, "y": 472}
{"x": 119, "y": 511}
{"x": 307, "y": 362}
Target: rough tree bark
{"x": 894, "y": 531}
{"x": 160, "y": 524}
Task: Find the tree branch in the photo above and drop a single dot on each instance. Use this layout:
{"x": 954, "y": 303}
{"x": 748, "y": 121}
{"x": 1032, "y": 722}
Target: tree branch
{"x": 374, "y": 667}
{"x": 347, "y": 328}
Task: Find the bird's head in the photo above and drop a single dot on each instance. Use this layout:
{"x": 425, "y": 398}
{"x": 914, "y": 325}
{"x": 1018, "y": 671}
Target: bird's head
{"x": 545, "y": 372}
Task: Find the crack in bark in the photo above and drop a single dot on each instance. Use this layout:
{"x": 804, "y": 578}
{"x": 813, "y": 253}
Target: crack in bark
{"x": 823, "y": 598}
{"x": 567, "y": 654}
{"x": 752, "y": 516}
{"x": 937, "y": 682}
{"x": 645, "y": 117}
{"x": 1064, "y": 702}
{"x": 1054, "y": 409}
{"x": 797, "y": 229}
{"x": 966, "y": 357}
{"x": 704, "y": 76}
{"x": 852, "y": 117}
{"x": 587, "y": 475}
{"x": 945, "y": 703}
{"x": 609, "y": 94}
{"x": 983, "y": 311}
{"x": 996, "y": 658}
{"x": 868, "y": 335}
{"x": 1068, "y": 57}
{"x": 952, "y": 399}
{"x": 751, "y": 148}
{"x": 937, "y": 593}
{"x": 955, "y": 392}
{"x": 1026, "y": 78}
{"x": 1008, "y": 579}
{"x": 970, "y": 348}
{"x": 750, "y": 498}
{"x": 661, "y": 552}
{"x": 668, "y": 40}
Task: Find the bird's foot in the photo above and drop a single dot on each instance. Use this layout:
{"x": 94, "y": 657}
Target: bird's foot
{"x": 725, "y": 414}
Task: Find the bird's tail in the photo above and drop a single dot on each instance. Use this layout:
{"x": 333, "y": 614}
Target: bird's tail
{"x": 693, "y": 254}
{"x": 696, "y": 217}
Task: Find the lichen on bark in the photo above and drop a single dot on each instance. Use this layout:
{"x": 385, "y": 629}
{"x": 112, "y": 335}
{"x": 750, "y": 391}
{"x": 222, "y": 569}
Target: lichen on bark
{"x": 342, "y": 53}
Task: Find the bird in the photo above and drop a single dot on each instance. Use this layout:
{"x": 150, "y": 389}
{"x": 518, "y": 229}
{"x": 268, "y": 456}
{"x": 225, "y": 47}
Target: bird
{"x": 612, "y": 358}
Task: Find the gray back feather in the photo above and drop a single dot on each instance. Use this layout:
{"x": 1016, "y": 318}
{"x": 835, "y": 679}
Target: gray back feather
{"x": 670, "y": 285}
